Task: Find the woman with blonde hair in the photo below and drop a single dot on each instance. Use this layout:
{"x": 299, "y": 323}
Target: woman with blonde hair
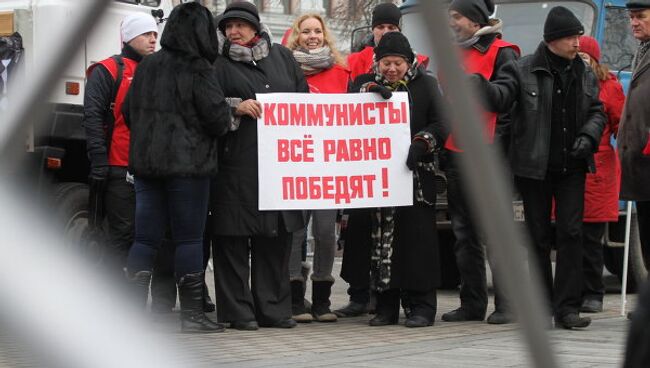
{"x": 315, "y": 51}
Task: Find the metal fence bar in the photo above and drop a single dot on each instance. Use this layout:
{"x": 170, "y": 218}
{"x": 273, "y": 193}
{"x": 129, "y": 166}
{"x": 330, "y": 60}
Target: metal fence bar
{"x": 490, "y": 192}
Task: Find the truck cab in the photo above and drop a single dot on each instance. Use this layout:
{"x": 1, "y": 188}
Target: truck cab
{"x": 57, "y": 163}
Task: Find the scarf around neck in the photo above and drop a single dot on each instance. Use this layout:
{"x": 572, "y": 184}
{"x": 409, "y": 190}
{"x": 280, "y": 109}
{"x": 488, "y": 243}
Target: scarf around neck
{"x": 393, "y": 86}
{"x": 314, "y": 61}
{"x": 257, "y": 49}
{"x": 494, "y": 26}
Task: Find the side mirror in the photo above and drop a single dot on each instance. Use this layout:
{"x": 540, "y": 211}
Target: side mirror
{"x": 158, "y": 14}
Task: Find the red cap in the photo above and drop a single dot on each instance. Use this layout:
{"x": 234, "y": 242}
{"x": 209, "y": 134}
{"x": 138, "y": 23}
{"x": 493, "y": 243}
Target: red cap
{"x": 589, "y": 46}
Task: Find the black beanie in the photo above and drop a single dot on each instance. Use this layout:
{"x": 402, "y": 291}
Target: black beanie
{"x": 386, "y": 13}
{"x": 478, "y": 11}
{"x": 561, "y": 22}
{"x": 394, "y": 44}
{"x": 241, "y": 10}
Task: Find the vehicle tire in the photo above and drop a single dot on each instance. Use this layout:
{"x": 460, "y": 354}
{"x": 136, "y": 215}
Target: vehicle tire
{"x": 449, "y": 274}
{"x": 70, "y": 201}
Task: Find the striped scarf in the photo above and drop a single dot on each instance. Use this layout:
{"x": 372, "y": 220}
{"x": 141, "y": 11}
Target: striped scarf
{"x": 314, "y": 61}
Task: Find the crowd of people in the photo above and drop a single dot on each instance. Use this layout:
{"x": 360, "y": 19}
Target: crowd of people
{"x": 173, "y": 145}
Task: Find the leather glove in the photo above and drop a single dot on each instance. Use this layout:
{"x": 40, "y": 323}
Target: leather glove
{"x": 98, "y": 171}
{"x": 383, "y": 91}
{"x": 416, "y": 151}
{"x": 582, "y": 147}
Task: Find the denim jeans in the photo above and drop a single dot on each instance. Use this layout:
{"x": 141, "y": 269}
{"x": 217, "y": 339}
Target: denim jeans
{"x": 181, "y": 203}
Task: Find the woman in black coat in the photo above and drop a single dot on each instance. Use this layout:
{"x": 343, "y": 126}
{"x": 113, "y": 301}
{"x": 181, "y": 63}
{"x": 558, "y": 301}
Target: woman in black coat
{"x": 403, "y": 240}
{"x": 176, "y": 110}
{"x": 250, "y": 64}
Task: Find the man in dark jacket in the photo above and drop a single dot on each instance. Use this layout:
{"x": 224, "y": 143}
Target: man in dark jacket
{"x": 556, "y": 127}
{"x": 484, "y": 52}
{"x": 107, "y": 136}
{"x": 634, "y": 131}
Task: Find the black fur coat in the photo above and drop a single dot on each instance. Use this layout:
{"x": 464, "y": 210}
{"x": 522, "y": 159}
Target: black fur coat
{"x": 176, "y": 108}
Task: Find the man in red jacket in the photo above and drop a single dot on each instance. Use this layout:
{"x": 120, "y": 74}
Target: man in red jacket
{"x": 484, "y": 52}
{"x": 107, "y": 136}
{"x": 385, "y": 18}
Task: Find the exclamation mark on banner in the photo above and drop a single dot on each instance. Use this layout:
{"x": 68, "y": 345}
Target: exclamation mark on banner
{"x": 384, "y": 181}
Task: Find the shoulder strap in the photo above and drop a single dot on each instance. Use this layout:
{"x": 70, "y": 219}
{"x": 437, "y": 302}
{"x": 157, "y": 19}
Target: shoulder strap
{"x": 110, "y": 120}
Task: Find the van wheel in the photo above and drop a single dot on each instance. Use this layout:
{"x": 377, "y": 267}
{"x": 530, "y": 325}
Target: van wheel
{"x": 71, "y": 207}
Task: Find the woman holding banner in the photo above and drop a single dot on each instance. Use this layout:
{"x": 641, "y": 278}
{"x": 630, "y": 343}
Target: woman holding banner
{"x": 250, "y": 64}
{"x": 324, "y": 67}
{"x": 404, "y": 244}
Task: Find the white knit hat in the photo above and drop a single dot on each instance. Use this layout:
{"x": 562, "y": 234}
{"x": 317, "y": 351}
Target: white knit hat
{"x": 136, "y": 24}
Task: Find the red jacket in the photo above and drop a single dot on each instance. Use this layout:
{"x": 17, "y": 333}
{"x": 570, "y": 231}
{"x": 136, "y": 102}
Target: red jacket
{"x": 118, "y": 154}
{"x": 602, "y": 188}
{"x": 332, "y": 80}
{"x": 361, "y": 62}
{"x": 483, "y": 64}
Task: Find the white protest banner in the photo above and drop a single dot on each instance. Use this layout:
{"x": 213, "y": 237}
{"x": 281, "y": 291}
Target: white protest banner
{"x": 320, "y": 151}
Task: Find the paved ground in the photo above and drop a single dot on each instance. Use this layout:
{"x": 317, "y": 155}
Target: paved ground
{"x": 352, "y": 343}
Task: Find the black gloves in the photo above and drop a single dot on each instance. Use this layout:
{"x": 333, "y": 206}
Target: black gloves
{"x": 383, "y": 91}
{"x": 418, "y": 149}
{"x": 96, "y": 201}
{"x": 582, "y": 147}
{"x": 98, "y": 171}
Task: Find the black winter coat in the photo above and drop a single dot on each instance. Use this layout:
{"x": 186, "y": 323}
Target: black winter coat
{"x": 175, "y": 108}
{"x": 415, "y": 263}
{"x": 234, "y": 196}
{"x": 528, "y": 82}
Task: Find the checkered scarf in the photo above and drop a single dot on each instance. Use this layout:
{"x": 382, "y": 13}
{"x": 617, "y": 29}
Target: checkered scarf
{"x": 254, "y": 51}
{"x": 640, "y": 53}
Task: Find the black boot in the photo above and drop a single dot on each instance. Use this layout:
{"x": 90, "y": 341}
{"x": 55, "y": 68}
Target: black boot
{"x": 320, "y": 299}
{"x": 139, "y": 287}
{"x": 208, "y": 305}
{"x": 298, "y": 310}
{"x": 163, "y": 293}
{"x": 193, "y": 319}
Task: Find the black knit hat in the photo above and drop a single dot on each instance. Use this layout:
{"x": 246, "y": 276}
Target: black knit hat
{"x": 561, "y": 22}
{"x": 478, "y": 11}
{"x": 241, "y": 10}
{"x": 394, "y": 44}
{"x": 638, "y": 4}
{"x": 386, "y": 13}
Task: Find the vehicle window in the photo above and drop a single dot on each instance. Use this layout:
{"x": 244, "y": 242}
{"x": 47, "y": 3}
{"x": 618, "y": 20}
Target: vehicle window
{"x": 150, "y": 3}
{"x": 618, "y": 44}
{"x": 523, "y": 23}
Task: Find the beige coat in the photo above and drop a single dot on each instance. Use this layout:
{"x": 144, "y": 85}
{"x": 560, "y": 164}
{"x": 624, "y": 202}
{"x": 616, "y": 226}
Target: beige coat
{"x": 633, "y": 136}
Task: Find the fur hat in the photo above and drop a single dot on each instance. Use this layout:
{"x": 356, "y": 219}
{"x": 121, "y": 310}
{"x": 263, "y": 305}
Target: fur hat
{"x": 589, "y": 46}
{"x": 478, "y": 11}
{"x": 386, "y": 13}
{"x": 241, "y": 10}
{"x": 136, "y": 24}
{"x": 394, "y": 44}
{"x": 561, "y": 22}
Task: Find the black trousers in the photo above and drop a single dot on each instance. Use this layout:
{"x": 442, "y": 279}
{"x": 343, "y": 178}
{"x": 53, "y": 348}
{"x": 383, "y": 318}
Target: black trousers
{"x": 119, "y": 202}
{"x": 421, "y": 303}
{"x": 268, "y": 298}
{"x": 565, "y": 291}
{"x": 643, "y": 217}
{"x": 469, "y": 251}
{"x": 355, "y": 268}
{"x": 592, "y": 260}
